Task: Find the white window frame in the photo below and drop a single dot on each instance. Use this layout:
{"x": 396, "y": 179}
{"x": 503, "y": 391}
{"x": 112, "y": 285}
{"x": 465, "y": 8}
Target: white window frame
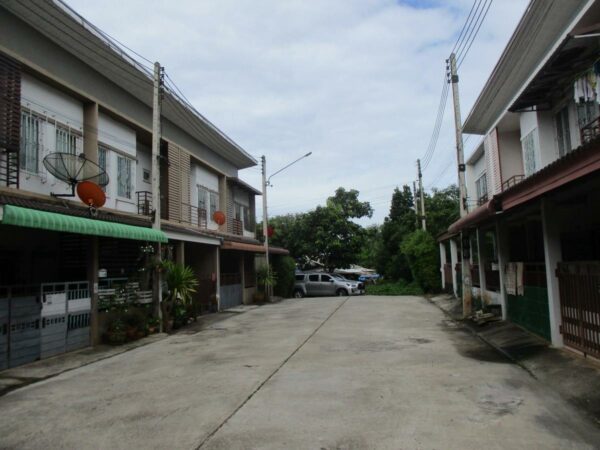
{"x": 530, "y": 146}
{"x": 64, "y": 140}
{"x": 126, "y": 184}
{"x": 29, "y": 157}
{"x": 481, "y": 187}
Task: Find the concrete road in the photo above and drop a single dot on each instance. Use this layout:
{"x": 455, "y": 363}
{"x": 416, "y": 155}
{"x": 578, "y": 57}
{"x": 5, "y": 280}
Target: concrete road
{"x": 333, "y": 373}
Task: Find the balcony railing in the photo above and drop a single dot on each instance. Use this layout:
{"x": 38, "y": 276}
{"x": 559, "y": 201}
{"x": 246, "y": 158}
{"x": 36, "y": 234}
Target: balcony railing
{"x": 512, "y": 181}
{"x": 591, "y": 131}
{"x": 481, "y": 200}
{"x": 237, "y": 227}
{"x": 193, "y": 215}
{"x": 144, "y": 202}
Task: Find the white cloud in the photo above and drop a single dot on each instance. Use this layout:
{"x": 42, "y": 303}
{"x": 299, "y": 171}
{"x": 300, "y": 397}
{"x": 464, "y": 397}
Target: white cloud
{"x": 355, "y": 82}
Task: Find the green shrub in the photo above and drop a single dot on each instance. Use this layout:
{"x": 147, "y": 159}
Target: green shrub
{"x": 394, "y": 288}
{"x": 285, "y": 267}
{"x": 421, "y": 252}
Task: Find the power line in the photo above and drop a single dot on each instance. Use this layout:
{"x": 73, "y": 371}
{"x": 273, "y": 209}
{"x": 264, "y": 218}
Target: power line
{"x": 462, "y": 58}
{"x": 471, "y": 25}
{"x": 463, "y": 28}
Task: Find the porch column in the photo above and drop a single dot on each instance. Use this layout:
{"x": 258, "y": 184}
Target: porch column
{"x": 552, "y": 256}
{"x": 443, "y": 264}
{"x": 482, "y": 260}
{"x": 218, "y": 271}
{"x": 242, "y": 278}
{"x": 92, "y": 276}
{"x": 90, "y": 131}
{"x": 503, "y": 258}
{"x": 454, "y": 262}
{"x": 180, "y": 253}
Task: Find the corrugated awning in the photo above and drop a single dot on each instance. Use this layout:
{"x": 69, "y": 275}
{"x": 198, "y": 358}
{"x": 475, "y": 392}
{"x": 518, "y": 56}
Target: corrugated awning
{"x": 44, "y": 220}
{"x": 255, "y": 248}
{"x": 479, "y": 214}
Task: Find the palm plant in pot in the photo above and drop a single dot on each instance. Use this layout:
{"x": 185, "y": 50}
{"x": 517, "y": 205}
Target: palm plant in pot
{"x": 181, "y": 282}
{"x": 266, "y": 278}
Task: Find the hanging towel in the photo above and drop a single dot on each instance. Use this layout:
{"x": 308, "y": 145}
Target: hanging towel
{"x": 510, "y": 279}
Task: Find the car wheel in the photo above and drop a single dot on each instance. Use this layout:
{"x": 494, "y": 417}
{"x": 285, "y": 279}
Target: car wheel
{"x": 341, "y": 293}
{"x": 298, "y": 293}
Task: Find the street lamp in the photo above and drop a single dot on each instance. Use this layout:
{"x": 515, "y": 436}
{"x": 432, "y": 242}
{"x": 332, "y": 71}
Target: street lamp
{"x": 267, "y": 182}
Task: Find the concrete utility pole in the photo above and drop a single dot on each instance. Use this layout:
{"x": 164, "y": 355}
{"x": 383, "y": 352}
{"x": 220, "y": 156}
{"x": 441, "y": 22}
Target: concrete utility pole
{"x": 415, "y": 203}
{"x": 263, "y": 163}
{"x": 460, "y": 156}
{"x": 422, "y": 196}
{"x": 156, "y": 113}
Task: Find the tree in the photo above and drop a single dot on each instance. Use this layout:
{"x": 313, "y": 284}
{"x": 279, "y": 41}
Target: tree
{"x": 399, "y": 223}
{"x": 442, "y": 209}
{"x": 326, "y": 234}
{"x": 421, "y": 251}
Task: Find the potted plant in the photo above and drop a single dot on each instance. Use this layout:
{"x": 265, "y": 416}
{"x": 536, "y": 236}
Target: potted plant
{"x": 181, "y": 282}
{"x": 152, "y": 325}
{"x": 115, "y": 333}
{"x": 266, "y": 278}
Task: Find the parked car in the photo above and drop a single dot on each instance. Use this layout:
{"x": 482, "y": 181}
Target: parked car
{"x": 325, "y": 284}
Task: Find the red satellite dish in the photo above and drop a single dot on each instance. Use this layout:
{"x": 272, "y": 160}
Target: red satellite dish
{"x": 270, "y": 231}
{"x": 91, "y": 194}
{"x": 219, "y": 217}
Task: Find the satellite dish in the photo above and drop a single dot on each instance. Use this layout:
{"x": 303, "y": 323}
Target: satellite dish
{"x": 91, "y": 194}
{"x": 73, "y": 169}
{"x": 219, "y": 217}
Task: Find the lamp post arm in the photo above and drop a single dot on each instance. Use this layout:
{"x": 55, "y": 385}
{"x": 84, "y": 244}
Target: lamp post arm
{"x": 285, "y": 167}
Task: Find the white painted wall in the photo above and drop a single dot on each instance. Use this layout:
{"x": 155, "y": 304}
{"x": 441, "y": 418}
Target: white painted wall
{"x": 144, "y": 162}
{"x": 120, "y": 141}
{"x": 548, "y": 138}
{"x": 474, "y": 170}
{"x": 511, "y": 158}
{"x": 49, "y": 105}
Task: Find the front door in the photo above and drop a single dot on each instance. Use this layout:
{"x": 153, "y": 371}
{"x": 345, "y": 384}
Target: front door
{"x": 327, "y": 285}
{"x": 312, "y": 284}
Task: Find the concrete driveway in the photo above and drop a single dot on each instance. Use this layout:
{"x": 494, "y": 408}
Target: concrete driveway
{"x": 331, "y": 373}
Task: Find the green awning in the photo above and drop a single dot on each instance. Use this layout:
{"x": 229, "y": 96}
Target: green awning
{"x": 33, "y": 218}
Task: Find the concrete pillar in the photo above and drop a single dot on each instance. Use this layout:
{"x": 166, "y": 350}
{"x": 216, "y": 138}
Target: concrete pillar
{"x": 90, "y": 131}
{"x": 218, "y": 270}
{"x": 503, "y": 258}
{"x": 454, "y": 262}
{"x": 552, "y": 256}
{"x": 92, "y": 276}
{"x": 242, "y": 262}
{"x": 442, "y": 264}
{"x": 480, "y": 237}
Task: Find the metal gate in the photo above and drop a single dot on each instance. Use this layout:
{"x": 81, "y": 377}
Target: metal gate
{"x": 580, "y": 305}
{"x": 232, "y": 292}
{"x": 20, "y": 323}
{"x": 65, "y": 317}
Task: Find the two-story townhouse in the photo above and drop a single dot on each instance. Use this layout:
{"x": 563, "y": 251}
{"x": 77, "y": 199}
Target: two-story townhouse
{"x": 535, "y": 237}
{"x": 66, "y": 88}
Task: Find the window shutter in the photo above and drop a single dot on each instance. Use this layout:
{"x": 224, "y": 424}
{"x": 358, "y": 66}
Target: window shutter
{"x": 492, "y": 161}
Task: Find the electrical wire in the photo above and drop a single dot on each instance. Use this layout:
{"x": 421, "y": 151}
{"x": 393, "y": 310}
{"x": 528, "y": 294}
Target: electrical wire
{"x": 464, "y": 55}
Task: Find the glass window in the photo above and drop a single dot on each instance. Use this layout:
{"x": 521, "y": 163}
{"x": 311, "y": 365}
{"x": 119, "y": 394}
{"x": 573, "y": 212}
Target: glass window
{"x": 214, "y": 203}
{"x": 30, "y": 142}
{"x": 529, "y": 152}
{"x": 326, "y": 278}
{"x": 481, "y": 187}
{"x": 202, "y": 193}
{"x": 299, "y": 277}
{"x": 313, "y": 278}
{"x": 65, "y": 141}
{"x": 123, "y": 177}
{"x": 563, "y": 134}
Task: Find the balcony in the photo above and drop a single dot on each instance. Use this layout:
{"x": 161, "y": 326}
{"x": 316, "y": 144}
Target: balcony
{"x": 237, "y": 227}
{"x": 483, "y": 199}
{"x": 512, "y": 181}
{"x": 144, "y": 203}
{"x": 591, "y": 131}
{"x": 192, "y": 215}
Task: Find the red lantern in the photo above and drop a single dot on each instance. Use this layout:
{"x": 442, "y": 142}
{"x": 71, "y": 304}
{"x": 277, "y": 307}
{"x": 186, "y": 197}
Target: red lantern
{"x": 270, "y": 231}
{"x": 219, "y": 217}
{"x": 91, "y": 194}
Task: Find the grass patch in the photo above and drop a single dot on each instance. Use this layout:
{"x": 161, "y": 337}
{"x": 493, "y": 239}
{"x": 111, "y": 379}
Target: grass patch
{"x": 393, "y": 288}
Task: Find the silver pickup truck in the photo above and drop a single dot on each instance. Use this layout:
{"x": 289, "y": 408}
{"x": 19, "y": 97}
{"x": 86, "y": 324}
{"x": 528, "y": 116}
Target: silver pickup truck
{"x": 325, "y": 284}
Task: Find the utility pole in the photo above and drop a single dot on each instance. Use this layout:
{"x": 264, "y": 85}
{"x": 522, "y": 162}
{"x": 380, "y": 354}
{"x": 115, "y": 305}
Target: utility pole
{"x": 460, "y": 156}
{"x": 416, "y": 207}
{"x": 156, "y": 113}
{"x": 422, "y": 196}
{"x": 263, "y": 163}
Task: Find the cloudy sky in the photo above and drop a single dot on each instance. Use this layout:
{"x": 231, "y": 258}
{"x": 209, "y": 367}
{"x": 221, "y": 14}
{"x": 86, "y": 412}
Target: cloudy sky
{"x": 357, "y": 82}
